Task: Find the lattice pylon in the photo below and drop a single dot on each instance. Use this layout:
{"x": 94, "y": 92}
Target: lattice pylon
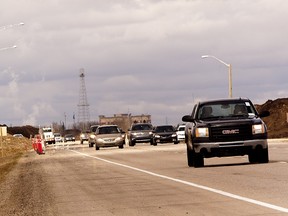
{"x": 83, "y": 106}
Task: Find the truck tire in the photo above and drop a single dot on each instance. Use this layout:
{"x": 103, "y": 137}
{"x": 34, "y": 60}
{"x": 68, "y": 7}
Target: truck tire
{"x": 190, "y": 158}
{"x": 263, "y": 156}
{"x": 198, "y": 160}
{"x": 259, "y": 155}
{"x": 252, "y": 156}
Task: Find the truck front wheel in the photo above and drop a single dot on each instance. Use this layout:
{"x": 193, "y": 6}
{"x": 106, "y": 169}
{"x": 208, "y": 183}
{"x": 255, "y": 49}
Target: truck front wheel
{"x": 259, "y": 155}
{"x": 264, "y": 156}
{"x": 190, "y": 158}
{"x": 198, "y": 160}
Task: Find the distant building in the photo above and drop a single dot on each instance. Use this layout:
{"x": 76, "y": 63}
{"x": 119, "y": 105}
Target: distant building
{"x": 124, "y": 121}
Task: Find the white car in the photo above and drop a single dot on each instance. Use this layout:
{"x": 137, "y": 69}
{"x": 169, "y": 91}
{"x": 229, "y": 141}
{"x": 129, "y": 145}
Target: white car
{"x": 181, "y": 132}
{"x": 58, "y": 137}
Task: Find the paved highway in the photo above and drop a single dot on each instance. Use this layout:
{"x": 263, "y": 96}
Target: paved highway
{"x": 145, "y": 180}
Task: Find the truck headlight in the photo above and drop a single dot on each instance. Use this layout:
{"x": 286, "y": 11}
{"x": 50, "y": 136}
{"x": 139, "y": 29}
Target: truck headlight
{"x": 258, "y": 129}
{"x": 202, "y": 132}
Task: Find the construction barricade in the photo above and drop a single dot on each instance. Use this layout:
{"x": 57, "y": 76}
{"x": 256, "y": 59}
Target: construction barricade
{"x": 38, "y": 144}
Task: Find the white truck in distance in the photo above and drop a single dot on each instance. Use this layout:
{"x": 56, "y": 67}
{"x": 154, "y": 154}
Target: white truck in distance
{"x": 47, "y": 135}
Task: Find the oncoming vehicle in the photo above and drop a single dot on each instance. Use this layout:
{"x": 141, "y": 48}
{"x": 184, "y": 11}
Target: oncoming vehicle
{"x": 47, "y": 135}
{"x": 109, "y": 136}
{"x": 69, "y": 138}
{"x": 91, "y": 138}
{"x": 227, "y": 127}
{"x": 84, "y": 136}
{"x": 58, "y": 137}
{"x": 180, "y": 133}
{"x": 140, "y": 132}
{"x": 164, "y": 134}
{"x": 18, "y": 135}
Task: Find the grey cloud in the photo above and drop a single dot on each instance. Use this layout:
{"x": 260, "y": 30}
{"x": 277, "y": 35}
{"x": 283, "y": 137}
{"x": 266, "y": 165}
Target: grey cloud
{"x": 152, "y": 48}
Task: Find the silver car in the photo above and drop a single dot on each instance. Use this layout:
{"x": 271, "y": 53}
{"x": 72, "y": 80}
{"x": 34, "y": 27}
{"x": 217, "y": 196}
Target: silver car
{"x": 109, "y": 136}
{"x": 140, "y": 133}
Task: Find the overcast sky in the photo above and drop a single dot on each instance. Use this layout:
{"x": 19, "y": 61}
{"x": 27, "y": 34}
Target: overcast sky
{"x": 139, "y": 56}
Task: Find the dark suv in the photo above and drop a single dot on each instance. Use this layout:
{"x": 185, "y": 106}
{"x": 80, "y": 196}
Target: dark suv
{"x": 228, "y": 127}
{"x": 140, "y": 132}
{"x": 164, "y": 134}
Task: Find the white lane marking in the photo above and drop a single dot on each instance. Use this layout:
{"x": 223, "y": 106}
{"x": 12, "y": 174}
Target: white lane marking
{"x": 227, "y": 194}
{"x": 283, "y": 162}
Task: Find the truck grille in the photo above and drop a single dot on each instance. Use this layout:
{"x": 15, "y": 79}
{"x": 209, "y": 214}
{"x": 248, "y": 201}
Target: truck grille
{"x": 231, "y": 133}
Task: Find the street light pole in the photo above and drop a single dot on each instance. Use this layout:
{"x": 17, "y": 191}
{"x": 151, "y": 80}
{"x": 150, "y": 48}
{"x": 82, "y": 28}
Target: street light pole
{"x": 229, "y": 71}
{"x": 5, "y": 48}
{"x": 7, "y": 27}
{"x": 11, "y": 26}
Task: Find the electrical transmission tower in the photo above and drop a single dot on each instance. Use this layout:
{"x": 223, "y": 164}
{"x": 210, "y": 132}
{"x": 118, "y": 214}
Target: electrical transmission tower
{"x": 83, "y": 106}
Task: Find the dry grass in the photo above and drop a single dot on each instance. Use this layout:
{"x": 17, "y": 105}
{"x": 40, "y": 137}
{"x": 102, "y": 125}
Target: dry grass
{"x": 11, "y": 149}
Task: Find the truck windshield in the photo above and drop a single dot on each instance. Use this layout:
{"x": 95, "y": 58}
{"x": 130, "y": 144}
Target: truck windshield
{"x": 223, "y": 110}
{"x": 47, "y": 130}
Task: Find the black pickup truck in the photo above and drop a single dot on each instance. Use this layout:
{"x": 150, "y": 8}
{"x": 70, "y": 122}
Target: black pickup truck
{"x": 225, "y": 127}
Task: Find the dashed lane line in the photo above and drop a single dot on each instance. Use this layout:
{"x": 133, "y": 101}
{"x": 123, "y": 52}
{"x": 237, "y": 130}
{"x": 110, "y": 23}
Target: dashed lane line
{"x": 227, "y": 194}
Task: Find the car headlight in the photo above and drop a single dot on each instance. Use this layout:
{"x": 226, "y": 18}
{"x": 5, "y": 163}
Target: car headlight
{"x": 150, "y": 132}
{"x": 118, "y": 139}
{"x": 100, "y": 140}
{"x": 258, "y": 129}
{"x": 174, "y": 135}
{"x": 157, "y": 136}
{"x": 92, "y": 136}
{"x": 202, "y": 132}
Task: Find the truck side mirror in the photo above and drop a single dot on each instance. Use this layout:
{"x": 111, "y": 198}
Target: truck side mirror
{"x": 187, "y": 118}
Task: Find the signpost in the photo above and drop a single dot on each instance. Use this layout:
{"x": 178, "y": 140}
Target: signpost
{"x": 3, "y": 132}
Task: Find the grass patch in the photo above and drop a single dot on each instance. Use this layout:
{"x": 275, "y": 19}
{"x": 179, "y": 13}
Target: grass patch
{"x": 7, "y": 164}
{"x": 11, "y": 149}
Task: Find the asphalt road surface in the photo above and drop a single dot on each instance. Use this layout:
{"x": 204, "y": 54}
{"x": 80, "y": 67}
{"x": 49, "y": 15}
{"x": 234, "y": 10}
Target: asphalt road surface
{"x": 144, "y": 180}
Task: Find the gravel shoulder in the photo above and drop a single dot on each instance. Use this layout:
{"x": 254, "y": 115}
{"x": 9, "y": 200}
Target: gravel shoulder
{"x": 19, "y": 193}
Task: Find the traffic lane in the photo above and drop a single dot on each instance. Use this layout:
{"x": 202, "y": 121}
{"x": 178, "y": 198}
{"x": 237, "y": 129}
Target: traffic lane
{"x": 278, "y": 152}
{"x": 85, "y": 185}
{"x": 264, "y": 182}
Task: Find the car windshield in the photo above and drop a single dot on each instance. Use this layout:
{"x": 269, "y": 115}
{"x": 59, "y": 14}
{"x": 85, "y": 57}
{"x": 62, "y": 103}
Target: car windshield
{"x": 47, "y": 130}
{"x": 164, "y": 129}
{"x": 181, "y": 129}
{"x": 94, "y": 128}
{"x": 142, "y": 127}
{"x": 225, "y": 110}
{"x": 108, "y": 130}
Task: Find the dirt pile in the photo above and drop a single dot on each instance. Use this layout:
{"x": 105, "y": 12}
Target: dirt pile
{"x": 277, "y": 122}
{"x": 26, "y": 131}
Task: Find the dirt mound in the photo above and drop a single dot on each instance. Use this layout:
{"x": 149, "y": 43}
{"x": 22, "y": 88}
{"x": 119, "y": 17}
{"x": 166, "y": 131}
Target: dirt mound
{"x": 26, "y": 131}
{"x": 277, "y": 122}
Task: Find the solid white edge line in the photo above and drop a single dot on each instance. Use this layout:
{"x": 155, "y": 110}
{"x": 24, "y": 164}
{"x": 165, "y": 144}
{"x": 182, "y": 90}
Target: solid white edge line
{"x": 227, "y": 194}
